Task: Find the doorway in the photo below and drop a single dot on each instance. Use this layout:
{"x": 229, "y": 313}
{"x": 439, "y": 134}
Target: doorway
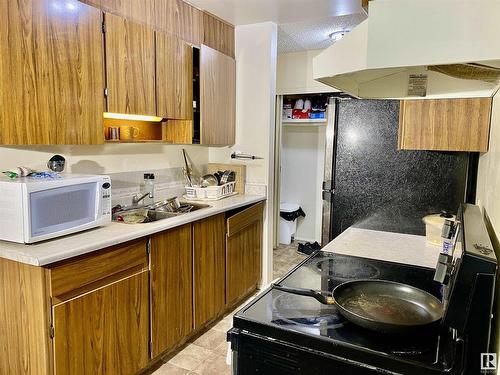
{"x": 301, "y": 135}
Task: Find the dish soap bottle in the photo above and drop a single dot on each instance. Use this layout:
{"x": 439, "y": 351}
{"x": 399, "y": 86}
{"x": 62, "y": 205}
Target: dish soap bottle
{"x": 148, "y": 186}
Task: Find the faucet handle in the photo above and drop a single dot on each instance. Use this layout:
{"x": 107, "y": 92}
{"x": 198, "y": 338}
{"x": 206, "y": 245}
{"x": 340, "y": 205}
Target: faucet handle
{"x": 137, "y": 197}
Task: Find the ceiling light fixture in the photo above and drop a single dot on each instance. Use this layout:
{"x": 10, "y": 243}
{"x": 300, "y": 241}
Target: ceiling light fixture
{"x": 337, "y": 35}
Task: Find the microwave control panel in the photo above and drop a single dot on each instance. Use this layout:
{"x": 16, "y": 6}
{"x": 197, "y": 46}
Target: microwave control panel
{"x": 106, "y": 197}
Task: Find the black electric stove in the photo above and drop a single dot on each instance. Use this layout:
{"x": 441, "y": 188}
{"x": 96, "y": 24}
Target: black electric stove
{"x": 322, "y": 329}
{"x": 283, "y": 333}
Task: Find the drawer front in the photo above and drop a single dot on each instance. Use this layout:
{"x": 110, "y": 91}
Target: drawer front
{"x": 79, "y": 275}
{"x": 244, "y": 218}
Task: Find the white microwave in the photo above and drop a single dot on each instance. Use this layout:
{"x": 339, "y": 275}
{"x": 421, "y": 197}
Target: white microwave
{"x": 33, "y": 210}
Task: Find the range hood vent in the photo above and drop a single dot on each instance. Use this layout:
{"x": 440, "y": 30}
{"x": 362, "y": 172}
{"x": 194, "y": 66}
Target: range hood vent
{"x": 411, "y": 49}
{"x": 476, "y": 72}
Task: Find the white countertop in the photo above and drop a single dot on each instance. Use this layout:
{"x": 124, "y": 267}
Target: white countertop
{"x": 47, "y": 252}
{"x": 388, "y": 246}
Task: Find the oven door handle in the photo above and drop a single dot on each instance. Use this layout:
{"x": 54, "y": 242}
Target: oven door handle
{"x": 463, "y": 360}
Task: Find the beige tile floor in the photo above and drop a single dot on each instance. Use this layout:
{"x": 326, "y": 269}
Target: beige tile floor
{"x": 207, "y": 354}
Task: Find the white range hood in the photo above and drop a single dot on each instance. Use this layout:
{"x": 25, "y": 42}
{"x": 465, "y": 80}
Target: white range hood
{"x": 418, "y": 48}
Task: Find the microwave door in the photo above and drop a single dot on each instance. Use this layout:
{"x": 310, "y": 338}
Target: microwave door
{"x": 61, "y": 210}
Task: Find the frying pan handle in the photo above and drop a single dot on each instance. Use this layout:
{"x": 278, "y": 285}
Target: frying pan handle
{"x": 327, "y": 300}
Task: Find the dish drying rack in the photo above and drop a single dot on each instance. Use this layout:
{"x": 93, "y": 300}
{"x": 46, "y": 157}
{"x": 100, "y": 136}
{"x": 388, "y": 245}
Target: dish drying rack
{"x": 210, "y": 193}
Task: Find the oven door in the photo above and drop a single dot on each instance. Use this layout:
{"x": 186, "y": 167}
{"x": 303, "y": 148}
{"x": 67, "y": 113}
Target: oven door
{"x": 256, "y": 354}
{"x": 56, "y": 210}
{"x": 253, "y": 353}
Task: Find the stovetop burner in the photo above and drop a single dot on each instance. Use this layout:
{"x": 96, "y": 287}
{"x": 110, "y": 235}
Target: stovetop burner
{"x": 346, "y": 268}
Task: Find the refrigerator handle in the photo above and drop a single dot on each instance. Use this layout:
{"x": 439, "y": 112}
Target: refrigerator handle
{"x": 329, "y": 170}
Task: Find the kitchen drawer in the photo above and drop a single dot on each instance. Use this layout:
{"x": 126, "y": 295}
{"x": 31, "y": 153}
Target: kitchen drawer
{"x": 244, "y": 218}
{"x": 91, "y": 271}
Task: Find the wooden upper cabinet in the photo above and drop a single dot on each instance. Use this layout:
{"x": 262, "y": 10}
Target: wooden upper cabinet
{"x": 218, "y": 34}
{"x": 141, "y": 11}
{"x": 174, "y": 77}
{"x": 218, "y": 97}
{"x": 51, "y": 72}
{"x": 445, "y": 124}
{"x": 180, "y": 19}
{"x": 208, "y": 269}
{"x": 130, "y": 66}
{"x": 179, "y": 132}
{"x": 171, "y": 288}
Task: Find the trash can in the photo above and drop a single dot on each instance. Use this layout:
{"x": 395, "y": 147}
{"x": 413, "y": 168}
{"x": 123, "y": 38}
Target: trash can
{"x": 289, "y": 212}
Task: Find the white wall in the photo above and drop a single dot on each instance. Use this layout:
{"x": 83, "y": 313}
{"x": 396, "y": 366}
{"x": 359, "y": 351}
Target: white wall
{"x": 295, "y": 74}
{"x": 488, "y": 193}
{"x": 302, "y": 165}
{"x": 488, "y": 185}
{"x": 102, "y": 159}
{"x": 256, "y": 47}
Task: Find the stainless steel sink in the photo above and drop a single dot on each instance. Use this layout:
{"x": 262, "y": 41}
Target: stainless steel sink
{"x": 144, "y": 215}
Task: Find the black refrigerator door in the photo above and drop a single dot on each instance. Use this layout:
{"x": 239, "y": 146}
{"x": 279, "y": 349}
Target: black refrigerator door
{"x": 381, "y": 188}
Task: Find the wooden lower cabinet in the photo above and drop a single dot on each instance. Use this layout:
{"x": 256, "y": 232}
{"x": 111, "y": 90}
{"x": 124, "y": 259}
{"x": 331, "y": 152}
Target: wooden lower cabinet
{"x": 243, "y": 252}
{"x": 24, "y": 320}
{"x": 208, "y": 269}
{"x": 113, "y": 311}
{"x": 171, "y": 288}
{"x": 105, "y": 331}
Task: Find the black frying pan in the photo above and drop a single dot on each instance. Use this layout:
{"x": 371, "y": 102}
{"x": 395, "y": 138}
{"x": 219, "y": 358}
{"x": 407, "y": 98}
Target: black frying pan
{"x": 379, "y": 305}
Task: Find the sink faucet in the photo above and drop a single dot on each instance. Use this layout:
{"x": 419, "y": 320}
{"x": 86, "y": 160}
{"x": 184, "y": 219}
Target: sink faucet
{"x": 136, "y": 198}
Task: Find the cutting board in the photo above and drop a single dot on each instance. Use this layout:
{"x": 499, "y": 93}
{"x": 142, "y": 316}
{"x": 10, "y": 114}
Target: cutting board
{"x": 239, "y": 169}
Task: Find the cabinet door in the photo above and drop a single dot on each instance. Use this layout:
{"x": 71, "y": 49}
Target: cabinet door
{"x": 105, "y": 331}
{"x": 174, "y": 77}
{"x": 142, "y": 11}
{"x": 208, "y": 270}
{"x": 218, "y": 97}
{"x": 243, "y": 253}
{"x": 179, "y": 132}
{"x": 171, "y": 287}
{"x": 445, "y": 124}
{"x": 130, "y": 66}
{"x": 51, "y": 72}
{"x": 178, "y": 18}
{"x": 218, "y": 34}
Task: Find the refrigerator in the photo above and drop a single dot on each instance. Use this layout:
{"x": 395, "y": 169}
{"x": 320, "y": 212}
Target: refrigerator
{"x": 370, "y": 184}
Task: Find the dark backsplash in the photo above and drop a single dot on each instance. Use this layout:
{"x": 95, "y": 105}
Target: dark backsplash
{"x": 378, "y": 187}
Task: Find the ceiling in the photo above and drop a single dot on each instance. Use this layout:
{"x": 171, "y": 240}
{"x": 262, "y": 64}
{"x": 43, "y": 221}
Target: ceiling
{"x": 314, "y": 34}
{"x": 303, "y": 25}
